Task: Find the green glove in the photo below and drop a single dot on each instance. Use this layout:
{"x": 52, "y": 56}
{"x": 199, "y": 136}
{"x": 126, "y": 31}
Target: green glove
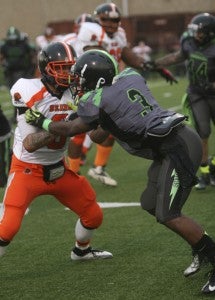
{"x": 37, "y": 119}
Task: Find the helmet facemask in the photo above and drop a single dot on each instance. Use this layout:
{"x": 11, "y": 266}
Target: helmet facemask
{"x": 61, "y": 72}
{"x": 110, "y": 25}
{"x": 198, "y": 33}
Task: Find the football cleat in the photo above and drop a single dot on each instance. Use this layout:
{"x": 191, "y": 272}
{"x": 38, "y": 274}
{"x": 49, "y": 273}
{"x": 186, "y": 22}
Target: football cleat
{"x": 99, "y": 174}
{"x": 209, "y": 287}
{"x": 203, "y": 181}
{"x": 89, "y": 254}
{"x": 195, "y": 265}
{"x": 212, "y": 180}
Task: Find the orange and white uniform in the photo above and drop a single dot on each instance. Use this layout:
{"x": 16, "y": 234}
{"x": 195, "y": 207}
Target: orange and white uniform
{"x": 93, "y": 34}
{"x": 69, "y": 38}
{"x": 26, "y": 181}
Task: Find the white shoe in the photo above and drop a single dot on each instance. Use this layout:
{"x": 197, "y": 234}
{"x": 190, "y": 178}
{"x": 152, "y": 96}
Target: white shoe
{"x": 99, "y": 174}
{"x": 89, "y": 253}
{"x": 196, "y": 265}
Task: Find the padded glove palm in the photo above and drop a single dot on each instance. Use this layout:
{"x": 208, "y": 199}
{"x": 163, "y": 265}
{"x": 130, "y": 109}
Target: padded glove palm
{"x": 34, "y": 118}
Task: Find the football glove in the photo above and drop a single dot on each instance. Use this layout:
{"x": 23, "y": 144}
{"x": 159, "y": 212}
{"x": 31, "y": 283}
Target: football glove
{"x": 165, "y": 73}
{"x": 35, "y": 118}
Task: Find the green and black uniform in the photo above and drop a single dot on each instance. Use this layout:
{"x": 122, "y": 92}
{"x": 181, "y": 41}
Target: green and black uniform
{"x": 130, "y": 113}
{"x": 200, "y": 65}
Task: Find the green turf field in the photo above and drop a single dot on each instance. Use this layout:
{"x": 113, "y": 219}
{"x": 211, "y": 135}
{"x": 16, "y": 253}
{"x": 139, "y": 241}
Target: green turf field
{"x": 148, "y": 260}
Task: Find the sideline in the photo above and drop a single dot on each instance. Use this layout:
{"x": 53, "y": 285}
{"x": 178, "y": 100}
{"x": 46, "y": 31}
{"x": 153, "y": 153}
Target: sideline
{"x": 115, "y": 204}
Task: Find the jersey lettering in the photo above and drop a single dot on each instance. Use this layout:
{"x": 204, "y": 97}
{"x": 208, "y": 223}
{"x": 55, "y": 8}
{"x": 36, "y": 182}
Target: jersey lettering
{"x": 135, "y": 95}
{"x": 198, "y": 69}
{"x": 116, "y": 53}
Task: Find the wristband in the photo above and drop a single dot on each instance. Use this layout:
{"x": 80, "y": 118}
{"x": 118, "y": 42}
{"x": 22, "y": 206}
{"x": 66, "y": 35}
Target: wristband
{"x": 45, "y": 124}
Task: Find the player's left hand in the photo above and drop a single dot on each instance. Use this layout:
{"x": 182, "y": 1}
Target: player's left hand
{"x": 34, "y": 118}
{"x": 166, "y": 74}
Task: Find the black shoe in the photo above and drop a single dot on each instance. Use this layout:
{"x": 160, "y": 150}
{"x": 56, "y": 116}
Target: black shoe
{"x": 209, "y": 287}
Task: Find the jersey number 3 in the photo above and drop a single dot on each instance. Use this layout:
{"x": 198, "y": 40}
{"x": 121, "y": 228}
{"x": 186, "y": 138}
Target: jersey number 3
{"x": 135, "y": 95}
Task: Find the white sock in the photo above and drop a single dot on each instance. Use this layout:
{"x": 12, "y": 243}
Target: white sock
{"x": 82, "y": 235}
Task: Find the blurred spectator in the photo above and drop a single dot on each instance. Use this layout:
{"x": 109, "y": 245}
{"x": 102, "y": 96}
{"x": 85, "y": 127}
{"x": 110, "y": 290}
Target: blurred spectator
{"x": 5, "y": 134}
{"x": 143, "y": 51}
{"x": 46, "y": 38}
{"x": 17, "y": 57}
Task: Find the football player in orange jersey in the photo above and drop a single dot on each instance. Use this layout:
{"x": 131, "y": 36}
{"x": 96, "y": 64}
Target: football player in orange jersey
{"x": 38, "y": 166}
{"x": 105, "y": 33}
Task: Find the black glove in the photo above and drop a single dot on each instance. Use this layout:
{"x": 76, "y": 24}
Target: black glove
{"x": 34, "y": 118}
{"x": 165, "y": 73}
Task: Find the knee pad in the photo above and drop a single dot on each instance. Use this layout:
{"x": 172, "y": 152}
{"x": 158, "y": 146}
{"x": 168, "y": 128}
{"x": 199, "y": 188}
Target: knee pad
{"x": 7, "y": 232}
{"x": 11, "y": 222}
{"x": 93, "y": 217}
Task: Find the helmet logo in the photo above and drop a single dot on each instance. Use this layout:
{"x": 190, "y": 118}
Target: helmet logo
{"x": 100, "y": 82}
{"x": 83, "y": 70}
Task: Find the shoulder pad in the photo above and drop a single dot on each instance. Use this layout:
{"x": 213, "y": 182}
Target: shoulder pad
{"x": 185, "y": 36}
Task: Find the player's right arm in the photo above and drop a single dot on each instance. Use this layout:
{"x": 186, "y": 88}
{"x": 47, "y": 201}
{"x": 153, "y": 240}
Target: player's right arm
{"x": 35, "y": 141}
{"x": 170, "y": 59}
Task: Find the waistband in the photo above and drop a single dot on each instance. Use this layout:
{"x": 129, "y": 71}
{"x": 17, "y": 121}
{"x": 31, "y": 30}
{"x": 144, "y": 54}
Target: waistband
{"x": 19, "y": 164}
